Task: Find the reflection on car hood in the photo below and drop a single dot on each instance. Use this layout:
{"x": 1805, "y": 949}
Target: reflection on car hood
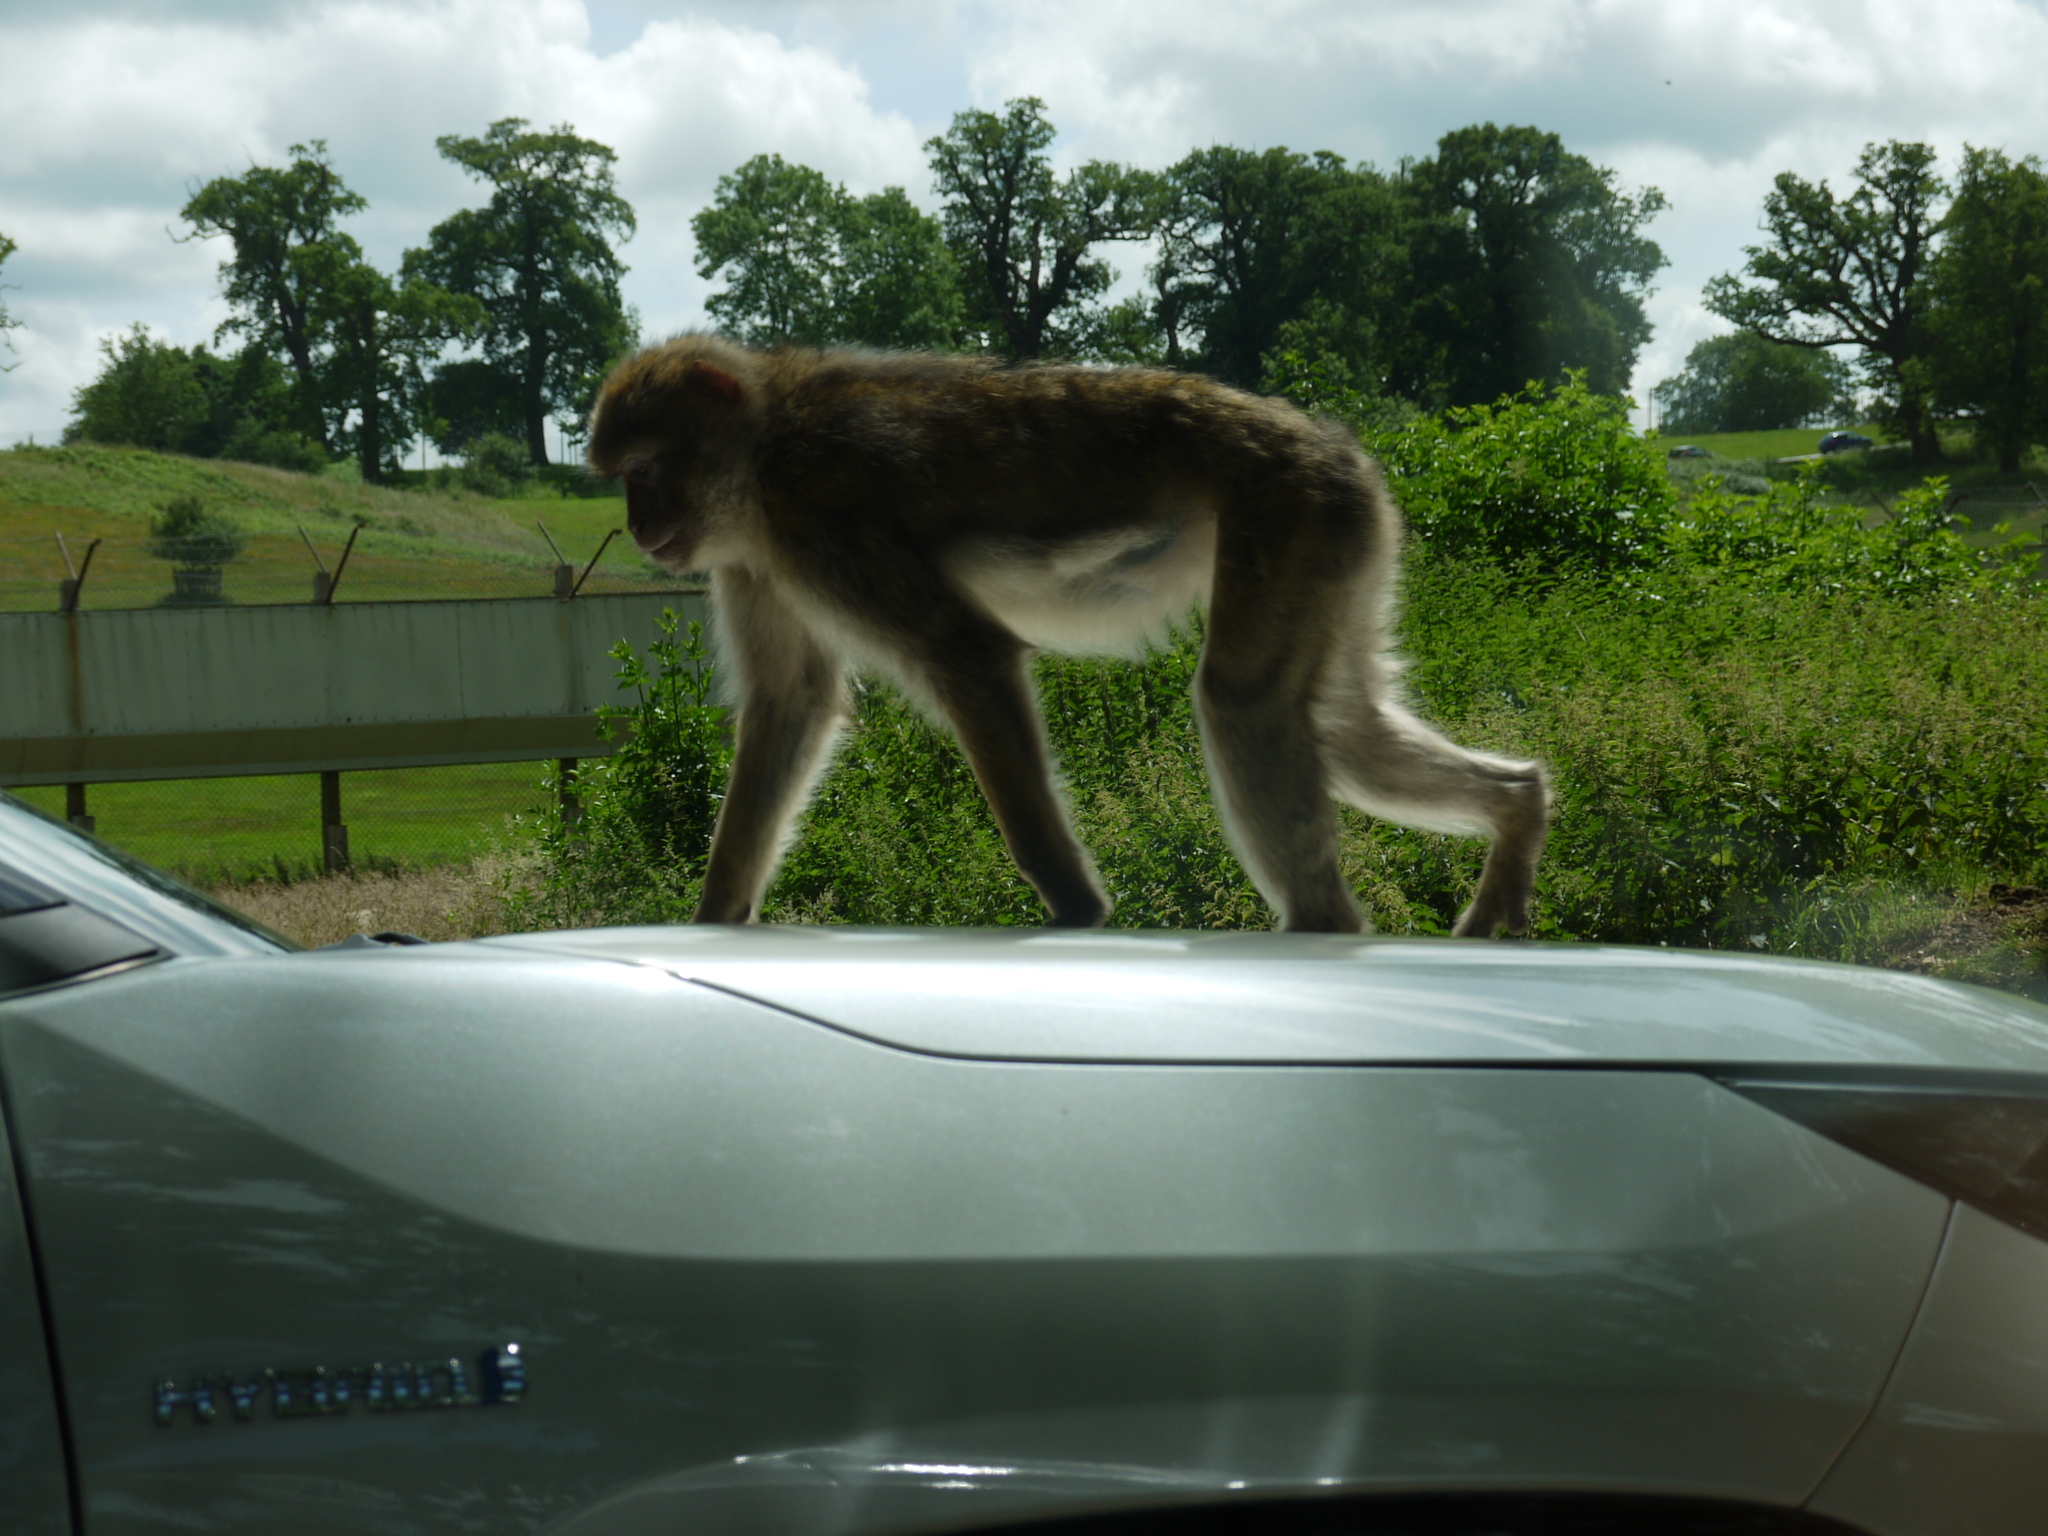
{"x": 1302, "y": 998}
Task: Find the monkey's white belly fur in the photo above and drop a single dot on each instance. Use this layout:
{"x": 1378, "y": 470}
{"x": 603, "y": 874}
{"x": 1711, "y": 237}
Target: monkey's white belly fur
{"x": 1106, "y": 594}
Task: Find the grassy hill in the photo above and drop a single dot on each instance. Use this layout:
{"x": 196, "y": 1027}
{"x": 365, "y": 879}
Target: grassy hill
{"x": 414, "y": 543}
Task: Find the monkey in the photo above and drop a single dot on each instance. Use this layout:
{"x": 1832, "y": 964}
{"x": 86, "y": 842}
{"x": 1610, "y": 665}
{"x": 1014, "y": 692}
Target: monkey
{"x": 940, "y": 519}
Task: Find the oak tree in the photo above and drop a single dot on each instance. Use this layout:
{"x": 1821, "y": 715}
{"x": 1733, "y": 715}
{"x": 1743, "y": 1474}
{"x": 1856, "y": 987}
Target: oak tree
{"x": 538, "y": 257}
{"x": 1851, "y": 271}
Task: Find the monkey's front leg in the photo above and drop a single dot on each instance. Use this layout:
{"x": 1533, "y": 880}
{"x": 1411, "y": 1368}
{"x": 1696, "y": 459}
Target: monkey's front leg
{"x": 792, "y": 703}
{"x": 979, "y": 678}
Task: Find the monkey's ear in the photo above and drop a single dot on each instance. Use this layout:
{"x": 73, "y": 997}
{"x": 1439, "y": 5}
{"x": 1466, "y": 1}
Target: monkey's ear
{"x": 703, "y": 377}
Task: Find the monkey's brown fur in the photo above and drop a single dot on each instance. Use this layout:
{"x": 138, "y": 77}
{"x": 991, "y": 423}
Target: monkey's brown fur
{"x": 940, "y": 518}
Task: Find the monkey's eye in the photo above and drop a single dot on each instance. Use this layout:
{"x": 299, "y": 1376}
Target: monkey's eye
{"x": 640, "y": 472}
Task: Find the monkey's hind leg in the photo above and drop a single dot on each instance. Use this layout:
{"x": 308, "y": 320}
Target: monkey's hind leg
{"x": 1385, "y": 761}
{"x": 792, "y": 704}
{"x": 1253, "y": 699}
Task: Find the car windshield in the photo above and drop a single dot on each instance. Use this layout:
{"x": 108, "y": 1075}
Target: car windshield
{"x": 38, "y": 852}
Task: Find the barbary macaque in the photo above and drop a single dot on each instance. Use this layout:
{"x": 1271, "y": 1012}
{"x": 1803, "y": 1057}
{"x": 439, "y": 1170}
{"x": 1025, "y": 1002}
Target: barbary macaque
{"x": 940, "y": 519}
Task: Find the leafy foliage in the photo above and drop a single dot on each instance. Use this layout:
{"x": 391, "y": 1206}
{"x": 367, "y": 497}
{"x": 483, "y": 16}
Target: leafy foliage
{"x": 1745, "y": 383}
{"x": 354, "y": 340}
{"x": 1851, "y": 271}
{"x": 636, "y": 852}
{"x": 1253, "y": 243}
{"x": 494, "y": 465}
{"x": 807, "y": 262}
{"x": 145, "y": 394}
{"x": 1988, "y": 293}
{"x": 7, "y": 322}
{"x": 1024, "y": 237}
{"x": 538, "y": 258}
{"x": 1523, "y": 259}
{"x": 1550, "y": 478}
{"x": 192, "y": 538}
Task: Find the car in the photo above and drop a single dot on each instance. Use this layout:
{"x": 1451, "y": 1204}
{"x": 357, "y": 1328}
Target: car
{"x": 1841, "y": 442}
{"x": 845, "y": 1232}
{"x": 1689, "y": 451}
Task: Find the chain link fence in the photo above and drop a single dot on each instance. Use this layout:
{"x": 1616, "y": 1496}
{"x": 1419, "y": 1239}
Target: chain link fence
{"x": 232, "y": 830}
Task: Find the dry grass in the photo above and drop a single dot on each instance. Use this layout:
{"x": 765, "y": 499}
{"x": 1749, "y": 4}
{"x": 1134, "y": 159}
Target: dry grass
{"x": 451, "y": 901}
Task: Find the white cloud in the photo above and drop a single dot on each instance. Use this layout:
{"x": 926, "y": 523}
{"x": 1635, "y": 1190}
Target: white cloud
{"x": 129, "y": 103}
{"x": 102, "y": 143}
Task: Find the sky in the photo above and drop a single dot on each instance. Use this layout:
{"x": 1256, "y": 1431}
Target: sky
{"x": 115, "y": 111}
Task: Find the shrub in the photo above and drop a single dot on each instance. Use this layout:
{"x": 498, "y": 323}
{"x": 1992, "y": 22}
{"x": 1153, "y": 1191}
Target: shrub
{"x": 636, "y": 853}
{"x": 191, "y": 538}
{"x": 251, "y": 442}
{"x": 494, "y": 465}
{"x": 1557, "y": 477}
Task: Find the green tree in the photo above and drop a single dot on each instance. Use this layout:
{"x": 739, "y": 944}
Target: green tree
{"x": 1851, "y": 271}
{"x": 249, "y": 412}
{"x": 1744, "y": 383}
{"x": 1523, "y": 260}
{"x": 1253, "y": 242}
{"x": 538, "y": 257}
{"x": 146, "y": 393}
{"x": 289, "y": 254}
{"x": 354, "y": 339}
{"x": 7, "y": 321}
{"x": 1988, "y": 303}
{"x": 805, "y": 261}
{"x": 1024, "y": 236}
{"x": 772, "y": 232}
{"x": 382, "y": 335}
{"x": 902, "y": 284}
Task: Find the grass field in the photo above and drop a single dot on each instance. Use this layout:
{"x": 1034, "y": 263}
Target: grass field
{"x": 412, "y": 543}
{"x": 1784, "y": 444}
{"x": 219, "y": 830}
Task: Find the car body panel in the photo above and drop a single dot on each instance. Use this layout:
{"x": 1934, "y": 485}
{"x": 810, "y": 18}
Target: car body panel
{"x": 772, "y": 1276}
{"x": 34, "y": 1498}
{"x": 1314, "y": 998}
{"x": 1956, "y": 1443}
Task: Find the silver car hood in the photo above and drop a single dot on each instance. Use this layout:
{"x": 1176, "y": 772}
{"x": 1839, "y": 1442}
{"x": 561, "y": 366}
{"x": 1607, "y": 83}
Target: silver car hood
{"x": 1278, "y": 998}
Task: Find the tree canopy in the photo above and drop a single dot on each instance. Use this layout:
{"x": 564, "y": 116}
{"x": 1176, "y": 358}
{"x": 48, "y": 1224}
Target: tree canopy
{"x": 145, "y": 393}
{"x": 1851, "y": 271}
{"x": 1523, "y": 259}
{"x": 355, "y": 341}
{"x": 805, "y": 261}
{"x": 538, "y": 257}
{"x": 1253, "y": 242}
{"x": 1026, "y": 238}
{"x": 1987, "y": 311}
{"x": 1744, "y": 383}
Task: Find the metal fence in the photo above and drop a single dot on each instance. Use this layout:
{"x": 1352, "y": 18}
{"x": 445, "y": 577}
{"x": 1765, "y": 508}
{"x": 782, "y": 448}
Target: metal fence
{"x": 231, "y": 742}
{"x": 215, "y": 830}
{"x": 46, "y": 572}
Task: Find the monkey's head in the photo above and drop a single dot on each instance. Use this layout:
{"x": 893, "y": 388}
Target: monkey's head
{"x": 678, "y": 424}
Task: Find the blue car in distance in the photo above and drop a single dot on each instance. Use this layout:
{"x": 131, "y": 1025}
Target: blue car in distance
{"x": 1842, "y": 442}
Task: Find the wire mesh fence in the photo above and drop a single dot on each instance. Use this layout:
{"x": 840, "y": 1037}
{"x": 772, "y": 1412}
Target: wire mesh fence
{"x": 218, "y": 830}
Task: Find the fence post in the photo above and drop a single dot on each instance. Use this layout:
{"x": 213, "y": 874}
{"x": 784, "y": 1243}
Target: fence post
{"x": 333, "y": 834}
{"x": 74, "y": 808}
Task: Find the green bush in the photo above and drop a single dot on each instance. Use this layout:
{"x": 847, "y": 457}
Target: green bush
{"x": 494, "y": 465}
{"x": 251, "y": 442}
{"x": 636, "y": 852}
{"x": 192, "y": 538}
{"x": 1553, "y": 476}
